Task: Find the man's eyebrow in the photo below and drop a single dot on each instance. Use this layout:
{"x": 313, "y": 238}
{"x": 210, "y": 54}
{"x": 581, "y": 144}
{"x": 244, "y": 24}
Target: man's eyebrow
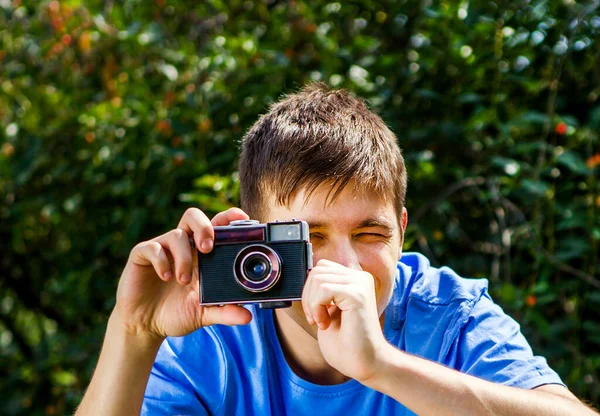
{"x": 375, "y": 222}
{"x": 366, "y": 223}
{"x": 316, "y": 224}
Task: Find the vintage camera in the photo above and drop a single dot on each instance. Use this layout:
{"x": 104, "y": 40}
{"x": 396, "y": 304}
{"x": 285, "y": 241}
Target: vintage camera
{"x": 256, "y": 263}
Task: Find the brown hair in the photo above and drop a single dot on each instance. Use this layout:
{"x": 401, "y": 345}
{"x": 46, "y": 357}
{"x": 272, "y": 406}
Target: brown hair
{"x": 315, "y": 137}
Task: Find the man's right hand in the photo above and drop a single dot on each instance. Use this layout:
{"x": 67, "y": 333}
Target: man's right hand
{"x": 158, "y": 293}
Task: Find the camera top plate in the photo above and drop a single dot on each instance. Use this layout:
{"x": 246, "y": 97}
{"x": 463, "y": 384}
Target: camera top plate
{"x": 244, "y": 222}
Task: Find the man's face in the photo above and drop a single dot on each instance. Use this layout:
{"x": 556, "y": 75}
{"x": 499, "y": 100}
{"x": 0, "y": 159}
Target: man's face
{"x": 358, "y": 230}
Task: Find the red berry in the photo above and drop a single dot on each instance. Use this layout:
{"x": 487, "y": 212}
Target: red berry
{"x": 530, "y": 301}
{"x": 561, "y": 128}
{"x": 178, "y": 159}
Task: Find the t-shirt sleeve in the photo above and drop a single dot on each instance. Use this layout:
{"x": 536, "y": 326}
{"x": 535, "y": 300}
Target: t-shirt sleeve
{"x": 169, "y": 396}
{"x": 183, "y": 381}
{"x": 492, "y": 347}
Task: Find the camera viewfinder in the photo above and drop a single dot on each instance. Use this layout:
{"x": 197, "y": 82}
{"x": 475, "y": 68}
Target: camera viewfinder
{"x": 284, "y": 232}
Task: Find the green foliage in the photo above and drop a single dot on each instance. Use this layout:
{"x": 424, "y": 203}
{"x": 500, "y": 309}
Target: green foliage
{"x": 116, "y": 116}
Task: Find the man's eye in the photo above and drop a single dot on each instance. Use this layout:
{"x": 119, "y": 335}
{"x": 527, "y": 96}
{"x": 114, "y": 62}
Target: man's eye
{"x": 372, "y": 236}
{"x": 315, "y": 236}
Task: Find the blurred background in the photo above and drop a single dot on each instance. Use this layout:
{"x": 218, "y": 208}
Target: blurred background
{"x": 115, "y": 116}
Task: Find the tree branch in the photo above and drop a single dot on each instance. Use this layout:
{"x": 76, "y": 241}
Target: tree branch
{"x": 456, "y": 186}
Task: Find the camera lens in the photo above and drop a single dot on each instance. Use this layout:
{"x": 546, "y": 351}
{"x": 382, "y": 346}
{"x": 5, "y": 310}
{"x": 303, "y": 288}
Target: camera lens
{"x": 256, "y": 267}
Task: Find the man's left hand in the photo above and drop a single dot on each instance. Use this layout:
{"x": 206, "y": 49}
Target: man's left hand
{"x": 341, "y": 302}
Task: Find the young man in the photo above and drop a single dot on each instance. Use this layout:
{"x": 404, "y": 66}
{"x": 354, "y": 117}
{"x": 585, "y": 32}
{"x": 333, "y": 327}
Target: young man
{"x": 375, "y": 333}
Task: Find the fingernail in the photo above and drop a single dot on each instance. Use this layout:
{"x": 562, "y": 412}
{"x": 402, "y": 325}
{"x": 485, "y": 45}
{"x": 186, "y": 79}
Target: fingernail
{"x": 167, "y": 275}
{"x": 186, "y": 278}
{"x": 207, "y": 245}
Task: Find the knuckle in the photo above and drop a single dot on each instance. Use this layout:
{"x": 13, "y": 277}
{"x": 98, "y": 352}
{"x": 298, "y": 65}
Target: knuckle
{"x": 317, "y": 270}
{"x": 319, "y": 279}
{"x": 366, "y": 278}
{"x": 236, "y": 211}
{"x": 314, "y": 305}
{"x": 178, "y": 233}
{"x": 359, "y": 295}
{"x": 191, "y": 212}
{"x": 186, "y": 261}
{"x": 145, "y": 245}
{"x": 139, "y": 247}
{"x": 155, "y": 247}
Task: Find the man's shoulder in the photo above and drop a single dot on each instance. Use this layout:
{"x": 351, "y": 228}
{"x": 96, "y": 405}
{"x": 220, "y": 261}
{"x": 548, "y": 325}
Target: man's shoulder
{"x": 430, "y": 305}
{"x": 419, "y": 281}
{"x": 436, "y": 290}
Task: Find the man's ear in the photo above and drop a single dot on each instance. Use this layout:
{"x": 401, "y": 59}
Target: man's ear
{"x": 403, "y": 223}
{"x": 404, "y": 220}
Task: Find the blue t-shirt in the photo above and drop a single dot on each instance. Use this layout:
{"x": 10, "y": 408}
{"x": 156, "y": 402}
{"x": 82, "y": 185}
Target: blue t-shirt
{"x": 434, "y": 313}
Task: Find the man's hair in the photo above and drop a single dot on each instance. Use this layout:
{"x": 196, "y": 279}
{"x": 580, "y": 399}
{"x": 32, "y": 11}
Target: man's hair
{"x": 319, "y": 137}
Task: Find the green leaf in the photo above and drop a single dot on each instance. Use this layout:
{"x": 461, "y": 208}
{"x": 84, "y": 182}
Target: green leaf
{"x": 469, "y": 98}
{"x": 64, "y": 378}
{"x": 572, "y": 222}
{"x": 537, "y": 188}
{"x": 535, "y": 117}
{"x": 573, "y": 162}
{"x": 571, "y": 248}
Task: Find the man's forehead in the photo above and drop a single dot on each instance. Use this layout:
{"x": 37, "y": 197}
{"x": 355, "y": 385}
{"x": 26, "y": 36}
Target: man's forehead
{"x": 351, "y": 208}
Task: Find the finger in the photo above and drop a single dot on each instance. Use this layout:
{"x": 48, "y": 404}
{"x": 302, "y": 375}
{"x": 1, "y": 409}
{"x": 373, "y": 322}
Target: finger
{"x": 329, "y": 294}
{"x": 321, "y": 316}
{"x": 305, "y": 299}
{"x": 177, "y": 242}
{"x": 232, "y": 214}
{"x": 226, "y": 315}
{"x": 332, "y": 267}
{"x": 326, "y": 275}
{"x": 197, "y": 225}
{"x": 152, "y": 253}
{"x": 319, "y": 300}
{"x": 327, "y": 263}
{"x": 316, "y": 277}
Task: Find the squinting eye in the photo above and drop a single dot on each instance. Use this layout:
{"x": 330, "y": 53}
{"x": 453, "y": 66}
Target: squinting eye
{"x": 315, "y": 236}
{"x": 372, "y": 236}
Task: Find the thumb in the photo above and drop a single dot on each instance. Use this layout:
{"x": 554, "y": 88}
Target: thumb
{"x": 226, "y": 315}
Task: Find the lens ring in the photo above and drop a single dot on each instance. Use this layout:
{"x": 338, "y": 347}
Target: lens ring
{"x": 250, "y": 252}
{"x": 246, "y": 261}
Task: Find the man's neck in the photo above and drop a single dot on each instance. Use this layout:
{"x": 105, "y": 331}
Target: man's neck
{"x": 300, "y": 347}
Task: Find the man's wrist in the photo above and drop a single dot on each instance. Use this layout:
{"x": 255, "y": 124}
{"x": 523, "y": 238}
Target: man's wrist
{"x": 137, "y": 340}
{"x": 123, "y": 369}
{"x": 386, "y": 360}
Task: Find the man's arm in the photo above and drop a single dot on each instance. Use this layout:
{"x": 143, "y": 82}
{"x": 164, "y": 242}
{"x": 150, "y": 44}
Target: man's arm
{"x": 123, "y": 369}
{"x": 341, "y": 301}
{"x": 428, "y": 388}
{"x": 157, "y": 297}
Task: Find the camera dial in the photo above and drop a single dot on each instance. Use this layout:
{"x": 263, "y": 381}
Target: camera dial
{"x": 244, "y": 222}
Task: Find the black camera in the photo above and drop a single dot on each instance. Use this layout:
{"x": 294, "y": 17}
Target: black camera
{"x": 256, "y": 263}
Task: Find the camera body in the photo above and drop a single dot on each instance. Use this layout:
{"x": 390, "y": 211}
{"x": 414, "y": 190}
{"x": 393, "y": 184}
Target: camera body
{"x": 256, "y": 263}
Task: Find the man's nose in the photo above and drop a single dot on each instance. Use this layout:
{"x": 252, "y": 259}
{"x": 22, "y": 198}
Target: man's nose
{"x": 342, "y": 252}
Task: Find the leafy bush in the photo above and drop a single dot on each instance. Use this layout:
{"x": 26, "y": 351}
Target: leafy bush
{"x": 116, "y": 116}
